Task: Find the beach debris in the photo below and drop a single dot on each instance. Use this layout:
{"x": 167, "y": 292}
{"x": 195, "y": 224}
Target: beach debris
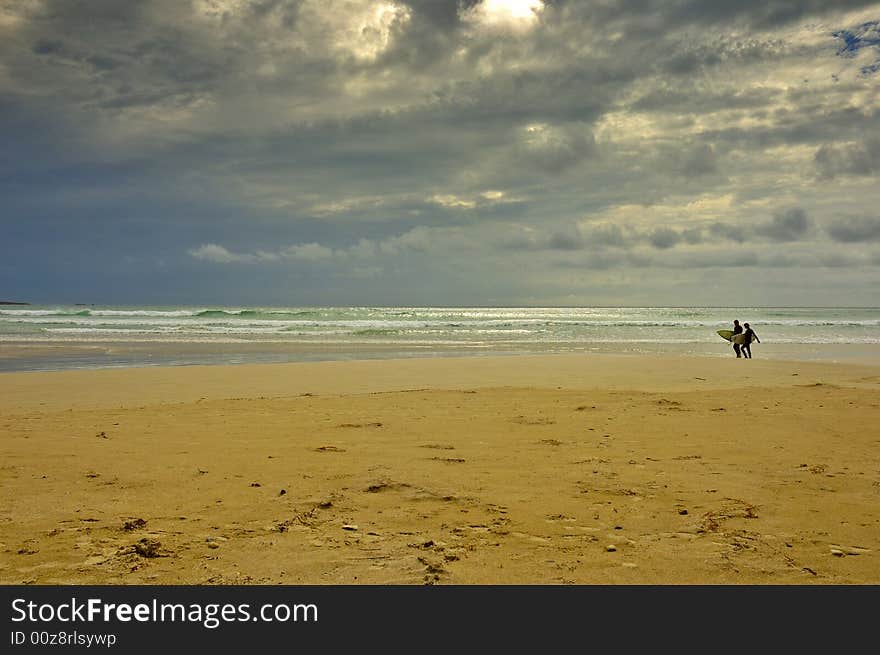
{"x": 307, "y": 518}
{"x": 102, "y": 434}
{"x": 538, "y": 420}
{"x": 350, "y": 527}
{"x": 376, "y": 488}
{"x": 682, "y": 512}
{"x": 256, "y": 484}
{"x": 848, "y": 550}
{"x": 134, "y": 524}
{"x": 147, "y": 547}
{"x": 732, "y": 509}
{"x": 282, "y": 492}
{"x": 432, "y": 566}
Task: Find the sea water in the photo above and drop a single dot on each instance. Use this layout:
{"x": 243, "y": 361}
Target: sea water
{"x": 58, "y": 337}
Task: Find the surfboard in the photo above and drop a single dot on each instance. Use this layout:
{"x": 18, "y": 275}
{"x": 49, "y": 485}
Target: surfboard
{"x": 725, "y": 334}
{"x": 733, "y": 338}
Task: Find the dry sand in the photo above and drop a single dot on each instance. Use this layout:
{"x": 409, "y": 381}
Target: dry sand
{"x": 509, "y": 470}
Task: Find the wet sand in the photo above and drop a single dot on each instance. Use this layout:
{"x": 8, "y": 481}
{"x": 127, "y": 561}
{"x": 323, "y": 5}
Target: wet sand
{"x": 496, "y": 470}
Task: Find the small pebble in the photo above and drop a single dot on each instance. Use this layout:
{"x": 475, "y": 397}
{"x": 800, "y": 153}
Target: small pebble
{"x": 837, "y": 553}
{"x": 349, "y": 526}
{"x": 611, "y": 548}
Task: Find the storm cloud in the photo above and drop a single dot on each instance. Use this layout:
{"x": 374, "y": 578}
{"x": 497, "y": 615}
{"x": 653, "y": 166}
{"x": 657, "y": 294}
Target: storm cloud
{"x": 437, "y": 152}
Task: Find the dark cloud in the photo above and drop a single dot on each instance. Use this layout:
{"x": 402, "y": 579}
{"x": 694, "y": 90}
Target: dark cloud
{"x": 664, "y": 238}
{"x": 697, "y": 161}
{"x": 552, "y": 149}
{"x": 731, "y": 231}
{"x": 646, "y": 21}
{"x": 566, "y": 238}
{"x": 757, "y": 13}
{"x": 848, "y": 159}
{"x": 693, "y": 236}
{"x": 607, "y": 235}
{"x": 855, "y": 229}
{"x": 789, "y": 225}
{"x": 360, "y": 135}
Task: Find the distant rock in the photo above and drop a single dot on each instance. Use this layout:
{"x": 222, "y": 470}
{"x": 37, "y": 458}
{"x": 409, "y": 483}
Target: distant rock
{"x": 148, "y": 548}
{"x": 134, "y": 524}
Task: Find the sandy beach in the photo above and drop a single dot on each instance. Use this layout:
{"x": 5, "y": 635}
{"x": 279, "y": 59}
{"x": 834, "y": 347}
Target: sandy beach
{"x": 568, "y": 469}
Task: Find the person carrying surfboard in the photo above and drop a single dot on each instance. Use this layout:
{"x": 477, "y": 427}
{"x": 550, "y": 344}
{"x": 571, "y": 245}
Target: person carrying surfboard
{"x": 750, "y": 336}
{"x": 737, "y": 329}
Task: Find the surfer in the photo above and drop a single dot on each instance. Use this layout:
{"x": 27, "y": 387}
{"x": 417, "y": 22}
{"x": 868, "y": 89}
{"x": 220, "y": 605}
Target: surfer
{"x": 737, "y": 329}
{"x": 750, "y": 336}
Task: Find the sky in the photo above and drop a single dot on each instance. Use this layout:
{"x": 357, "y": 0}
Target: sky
{"x": 432, "y": 152}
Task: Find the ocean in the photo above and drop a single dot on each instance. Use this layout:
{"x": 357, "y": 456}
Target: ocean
{"x": 66, "y": 337}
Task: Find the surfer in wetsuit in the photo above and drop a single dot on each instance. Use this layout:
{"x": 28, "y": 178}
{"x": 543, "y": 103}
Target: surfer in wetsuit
{"x": 749, "y": 337}
{"x": 737, "y": 329}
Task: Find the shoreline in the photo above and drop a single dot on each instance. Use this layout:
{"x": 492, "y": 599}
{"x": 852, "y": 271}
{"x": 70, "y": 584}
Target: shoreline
{"x": 16, "y": 356}
{"x": 555, "y": 469}
{"x": 187, "y": 383}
